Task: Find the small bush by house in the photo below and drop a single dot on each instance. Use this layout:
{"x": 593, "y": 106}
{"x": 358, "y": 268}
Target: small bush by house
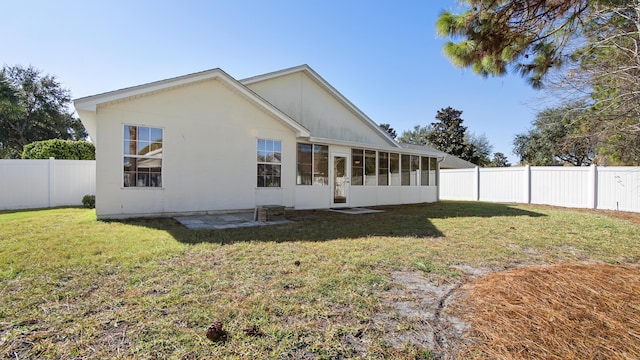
{"x": 89, "y": 201}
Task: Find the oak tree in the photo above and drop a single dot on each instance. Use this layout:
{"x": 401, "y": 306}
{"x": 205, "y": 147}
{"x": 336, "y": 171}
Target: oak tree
{"x": 33, "y": 107}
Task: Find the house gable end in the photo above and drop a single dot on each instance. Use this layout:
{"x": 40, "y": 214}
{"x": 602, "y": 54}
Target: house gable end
{"x": 307, "y": 98}
{"x": 89, "y": 105}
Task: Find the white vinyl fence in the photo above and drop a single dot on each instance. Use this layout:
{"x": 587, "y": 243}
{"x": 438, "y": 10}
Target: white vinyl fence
{"x": 31, "y": 184}
{"x": 609, "y": 188}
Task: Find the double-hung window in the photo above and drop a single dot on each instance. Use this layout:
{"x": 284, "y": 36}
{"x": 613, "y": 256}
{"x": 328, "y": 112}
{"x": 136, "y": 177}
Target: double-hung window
{"x": 269, "y": 162}
{"x": 142, "y": 156}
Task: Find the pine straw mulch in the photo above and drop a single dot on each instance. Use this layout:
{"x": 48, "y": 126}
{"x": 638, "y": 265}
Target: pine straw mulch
{"x": 554, "y": 312}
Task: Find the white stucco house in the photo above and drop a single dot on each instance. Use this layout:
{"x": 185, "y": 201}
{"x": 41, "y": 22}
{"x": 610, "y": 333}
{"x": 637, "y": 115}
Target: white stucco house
{"x": 206, "y": 142}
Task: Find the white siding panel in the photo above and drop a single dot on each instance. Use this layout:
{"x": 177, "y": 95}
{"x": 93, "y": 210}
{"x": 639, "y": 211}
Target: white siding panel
{"x": 388, "y": 195}
{"x": 428, "y": 193}
{"x": 410, "y": 194}
{"x": 312, "y": 197}
{"x": 269, "y": 196}
{"x": 363, "y": 196}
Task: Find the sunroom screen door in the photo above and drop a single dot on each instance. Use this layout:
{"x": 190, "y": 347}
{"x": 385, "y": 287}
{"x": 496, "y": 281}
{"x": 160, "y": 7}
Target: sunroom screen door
{"x": 340, "y": 181}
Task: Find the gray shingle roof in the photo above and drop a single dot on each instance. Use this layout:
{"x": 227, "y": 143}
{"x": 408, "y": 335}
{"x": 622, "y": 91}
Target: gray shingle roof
{"x": 449, "y": 162}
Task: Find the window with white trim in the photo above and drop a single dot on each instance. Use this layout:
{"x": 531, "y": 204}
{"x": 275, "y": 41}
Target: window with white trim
{"x": 269, "y": 162}
{"x": 313, "y": 164}
{"x": 142, "y": 156}
{"x": 363, "y": 167}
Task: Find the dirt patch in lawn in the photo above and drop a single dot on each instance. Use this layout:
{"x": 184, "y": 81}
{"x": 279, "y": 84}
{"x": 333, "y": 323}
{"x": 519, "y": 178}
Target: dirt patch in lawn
{"x": 569, "y": 311}
{"x": 418, "y": 314}
{"x": 418, "y": 311}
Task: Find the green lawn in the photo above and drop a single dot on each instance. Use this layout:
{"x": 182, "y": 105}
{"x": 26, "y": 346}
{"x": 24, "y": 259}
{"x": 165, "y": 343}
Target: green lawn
{"x": 74, "y": 287}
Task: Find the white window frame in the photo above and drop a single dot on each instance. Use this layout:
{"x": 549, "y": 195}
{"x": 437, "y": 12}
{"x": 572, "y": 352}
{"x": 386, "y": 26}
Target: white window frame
{"x": 137, "y": 156}
{"x": 271, "y": 163}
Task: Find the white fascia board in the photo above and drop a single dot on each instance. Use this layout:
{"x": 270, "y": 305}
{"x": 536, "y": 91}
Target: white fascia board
{"x": 273, "y": 74}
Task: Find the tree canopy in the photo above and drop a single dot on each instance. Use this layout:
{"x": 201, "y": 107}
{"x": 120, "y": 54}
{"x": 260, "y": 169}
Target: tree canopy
{"x": 557, "y": 138}
{"x": 481, "y": 148}
{"x": 417, "y": 136}
{"x": 584, "y": 51}
{"x": 449, "y": 135}
{"x": 499, "y": 160}
{"x": 529, "y": 35}
{"x": 33, "y": 107}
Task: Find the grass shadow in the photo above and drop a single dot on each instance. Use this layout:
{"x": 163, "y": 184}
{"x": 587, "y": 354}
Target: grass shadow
{"x": 31, "y": 210}
{"x": 321, "y": 225}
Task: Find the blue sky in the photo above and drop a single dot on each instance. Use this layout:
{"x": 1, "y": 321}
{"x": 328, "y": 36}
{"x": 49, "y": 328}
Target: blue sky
{"x": 382, "y": 55}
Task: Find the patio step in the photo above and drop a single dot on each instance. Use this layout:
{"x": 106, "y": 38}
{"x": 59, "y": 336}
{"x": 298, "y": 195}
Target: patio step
{"x": 267, "y": 213}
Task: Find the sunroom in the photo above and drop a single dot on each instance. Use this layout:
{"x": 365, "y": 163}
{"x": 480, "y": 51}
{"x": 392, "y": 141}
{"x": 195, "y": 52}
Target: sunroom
{"x": 340, "y": 176}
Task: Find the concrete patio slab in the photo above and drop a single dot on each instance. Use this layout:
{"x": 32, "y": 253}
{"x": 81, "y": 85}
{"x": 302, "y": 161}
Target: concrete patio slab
{"x": 224, "y": 221}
